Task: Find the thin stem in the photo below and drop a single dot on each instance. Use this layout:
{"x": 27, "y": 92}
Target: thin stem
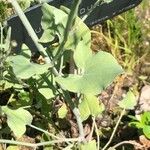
{"x": 44, "y": 131}
{"x": 29, "y": 29}
{"x": 10, "y": 98}
{"x": 27, "y": 24}
{"x": 38, "y": 144}
{"x": 98, "y": 2}
{"x": 92, "y": 130}
{"x": 61, "y": 65}
{"x": 127, "y": 142}
{"x": 79, "y": 122}
{"x": 97, "y": 134}
{"x": 70, "y": 21}
{"x": 115, "y": 129}
{"x": 76, "y": 112}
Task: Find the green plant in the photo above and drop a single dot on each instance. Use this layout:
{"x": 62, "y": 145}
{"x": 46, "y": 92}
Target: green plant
{"x": 47, "y": 82}
{"x": 142, "y": 122}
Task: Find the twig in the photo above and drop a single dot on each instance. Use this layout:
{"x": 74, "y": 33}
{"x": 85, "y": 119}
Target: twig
{"x": 38, "y": 144}
{"x": 115, "y": 129}
{"x": 127, "y": 142}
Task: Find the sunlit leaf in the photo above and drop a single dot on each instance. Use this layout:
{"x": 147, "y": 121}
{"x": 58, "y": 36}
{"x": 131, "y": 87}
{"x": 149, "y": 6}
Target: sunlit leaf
{"x": 62, "y": 112}
{"x": 25, "y": 69}
{"x": 129, "y": 101}
{"x": 47, "y": 36}
{"x": 17, "y": 120}
{"x": 48, "y": 16}
{"x": 146, "y": 131}
{"x": 100, "y": 70}
{"x": 51, "y": 12}
{"x": 145, "y": 118}
{"x": 54, "y": 20}
{"x": 90, "y": 105}
{"x": 46, "y": 92}
{"x": 91, "y": 145}
{"x": 81, "y": 54}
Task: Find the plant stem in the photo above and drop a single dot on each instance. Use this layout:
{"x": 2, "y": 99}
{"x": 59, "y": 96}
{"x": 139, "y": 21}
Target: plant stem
{"x": 61, "y": 65}
{"x": 38, "y": 144}
{"x": 46, "y": 132}
{"x": 92, "y": 130}
{"x": 70, "y": 21}
{"x": 79, "y": 122}
{"x": 29, "y": 29}
{"x": 127, "y": 142}
{"x": 115, "y": 129}
{"x": 34, "y": 37}
{"x": 76, "y": 112}
{"x": 97, "y": 134}
{"x": 27, "y": 24}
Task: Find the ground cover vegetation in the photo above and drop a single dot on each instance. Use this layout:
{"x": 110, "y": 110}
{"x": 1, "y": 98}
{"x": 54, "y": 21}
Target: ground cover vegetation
{"x": 88, "y": 90}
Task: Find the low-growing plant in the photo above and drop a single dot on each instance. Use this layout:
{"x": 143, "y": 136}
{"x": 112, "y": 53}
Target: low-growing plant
{"x": 142, "y": 122}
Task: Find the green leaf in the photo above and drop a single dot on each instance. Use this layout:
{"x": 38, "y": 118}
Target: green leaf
{"x": 55, "y": 20}
{"x": 62, "y": 112}
{"x": 25, "y": 69}
{"x": 78, "y": 32}
{"x": 17, "y": 120}
{"x": 52, "y": 13}
{"x": 91, "y": 145}
{"x": 22, "y": 100}
{"x": 48, "y": 16}
{"x": 47, "y": 36}
{"x": 80, "y": 29}
{"x": 90, "y": 105}
{"x": 146, "y": 131}
{"x": 46, "y": 92}
{"x": 145, "y": 118}
{"x": 60, "y": 17}
{"x": 129, "y": 101}
{"x": 81, "y": 54}
{"x": 100, "y": 70}
{"x": 136, "y": 124}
